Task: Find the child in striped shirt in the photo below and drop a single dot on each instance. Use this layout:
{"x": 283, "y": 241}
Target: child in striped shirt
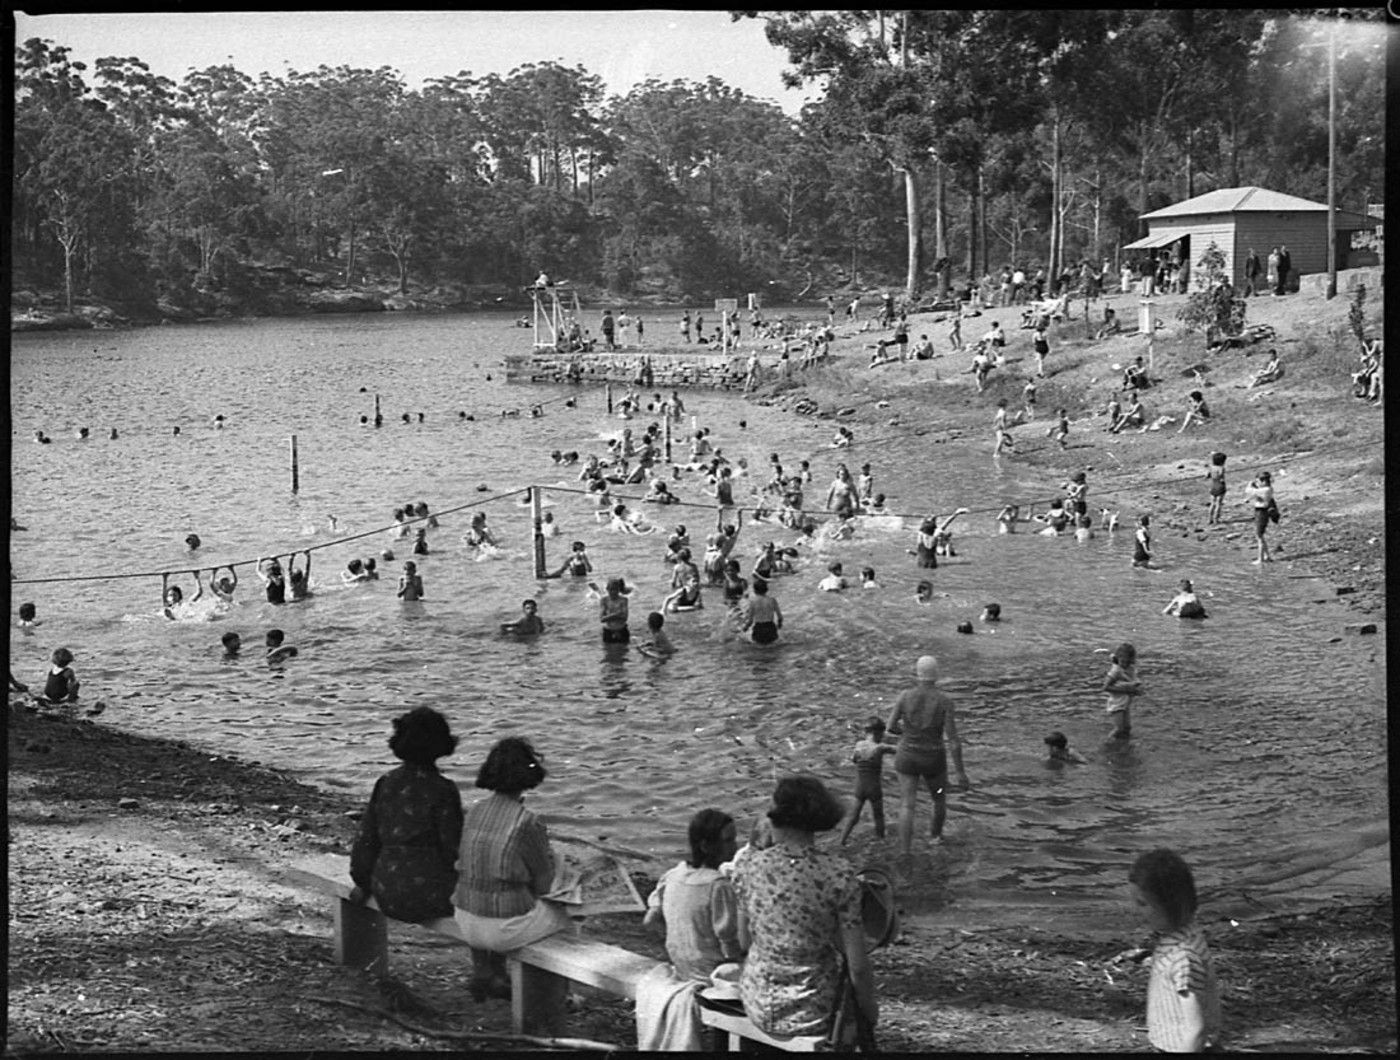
{"x": 1183, "y": 1000}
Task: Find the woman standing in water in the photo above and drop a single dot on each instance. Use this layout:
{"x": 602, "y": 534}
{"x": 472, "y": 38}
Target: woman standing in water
{"x": 924, "y": 719}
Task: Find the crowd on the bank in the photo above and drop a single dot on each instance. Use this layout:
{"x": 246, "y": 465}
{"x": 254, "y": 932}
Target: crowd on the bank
{"x": 775, "y": 926}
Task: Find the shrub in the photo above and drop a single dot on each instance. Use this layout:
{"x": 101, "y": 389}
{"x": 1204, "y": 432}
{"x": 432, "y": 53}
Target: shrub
{"x": 1212, "y": 307}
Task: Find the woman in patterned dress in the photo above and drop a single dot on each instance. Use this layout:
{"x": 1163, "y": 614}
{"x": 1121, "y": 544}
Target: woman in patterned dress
{"x": 799, "y": 912}
{"x": 406, "y": 849}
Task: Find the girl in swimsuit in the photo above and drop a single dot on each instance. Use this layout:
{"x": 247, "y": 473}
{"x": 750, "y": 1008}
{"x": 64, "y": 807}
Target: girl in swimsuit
{"x": 1215, "y": 474}
{"x": 612, "y": 613}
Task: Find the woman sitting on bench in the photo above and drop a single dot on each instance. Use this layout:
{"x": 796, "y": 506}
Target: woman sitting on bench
{"x": 796, "y": 899}
{"x": 506, "y": 867}
{"x": 406, "y": 851}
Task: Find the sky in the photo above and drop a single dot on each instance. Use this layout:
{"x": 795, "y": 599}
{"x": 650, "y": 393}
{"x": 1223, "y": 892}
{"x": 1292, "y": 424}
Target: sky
{"x": 624, "y": 48}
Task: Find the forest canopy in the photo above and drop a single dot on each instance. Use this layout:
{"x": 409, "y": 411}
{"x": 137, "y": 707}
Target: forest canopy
{"x": 942, "y": 144}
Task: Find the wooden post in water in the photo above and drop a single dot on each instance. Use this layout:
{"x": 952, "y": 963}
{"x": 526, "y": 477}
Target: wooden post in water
{"x": 296, "y": 484}
{"x": 538, "y": 518}
{"x": 667, "y": 431}
{"x": 607, "y": 390}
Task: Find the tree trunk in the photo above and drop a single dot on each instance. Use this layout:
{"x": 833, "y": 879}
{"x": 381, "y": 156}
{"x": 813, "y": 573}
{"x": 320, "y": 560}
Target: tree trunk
{"x": 350, "y": 254}
{"x": 1142, "y": 179}
{"x": 982, "y": 218}
{"x": 972, "y": 230}
{"x": 69, "y": 243}
{"x": 911, "y": 205}
{"x": 940, "y": 228}
{"x": 1056, "y": 193}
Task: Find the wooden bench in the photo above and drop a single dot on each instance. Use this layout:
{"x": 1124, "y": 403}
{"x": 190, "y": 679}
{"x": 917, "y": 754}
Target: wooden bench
{"x": 539, "y": 973}
{"x": 731, "y": 1027}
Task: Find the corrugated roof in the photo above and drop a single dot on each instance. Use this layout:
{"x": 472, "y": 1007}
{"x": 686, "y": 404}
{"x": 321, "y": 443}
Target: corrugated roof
{"x": 1236, "y": 200}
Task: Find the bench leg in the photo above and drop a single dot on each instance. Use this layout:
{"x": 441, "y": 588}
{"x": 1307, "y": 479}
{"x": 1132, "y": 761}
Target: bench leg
{"x": 536, "y": 1000}
{"x": 361, "y": 937}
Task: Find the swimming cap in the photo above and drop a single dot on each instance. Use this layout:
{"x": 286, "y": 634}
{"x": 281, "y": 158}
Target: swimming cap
{"x": 926, "y": 668}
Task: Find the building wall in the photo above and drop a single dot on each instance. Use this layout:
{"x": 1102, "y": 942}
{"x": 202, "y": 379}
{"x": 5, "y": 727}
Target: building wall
{"x": 1305, "y": 235}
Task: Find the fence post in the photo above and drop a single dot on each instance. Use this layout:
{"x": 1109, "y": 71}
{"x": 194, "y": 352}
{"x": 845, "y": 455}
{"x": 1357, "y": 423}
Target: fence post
{"x": 538, "y": 518}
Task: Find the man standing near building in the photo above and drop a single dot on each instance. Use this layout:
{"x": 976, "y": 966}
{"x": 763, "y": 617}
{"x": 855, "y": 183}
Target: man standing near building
{"x": 1285, "y": 266}
{"x": 1252, "y": 269}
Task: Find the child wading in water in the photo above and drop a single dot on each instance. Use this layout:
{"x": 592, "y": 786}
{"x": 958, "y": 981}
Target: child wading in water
{"x": 61, "y": 685}
{"x": 1142, "y": 542}
{"x": 1183, "y": 999}
{"x": 868, "y": 757}
{"x": 1122, "y": 684}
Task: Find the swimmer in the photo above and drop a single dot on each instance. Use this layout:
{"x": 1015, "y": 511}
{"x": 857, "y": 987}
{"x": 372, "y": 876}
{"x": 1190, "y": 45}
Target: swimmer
{"x": 61, "y": 685}
{"x": 679, "y": 539}
{"x": 371, "y": 567}
{"x": 299, "y": 581}
{"x": 1084, "y": 529}
{"x": 834, "y": 581}
{"x": 923, "y": 593}
{"x": 685, "y": 585}
{"x": 478, "y": 535}
{"x": 1122, "y": 685}
{"x": 991, "y": 613}
{"x": 222, "y": 588}
{"x": 175, "y": 596}
{"x": 219, "y": 422}
{"x": 528, "y": 624}
{"x": 1185, "y": 604}
{"x": 735, "y": 585}
{"x": 420, "y": 542}
{"x": 27, "y": 619}
{"x": 83, "y": 434}
{"x": 420, "y": 511}
{"x": 763, "y": 618}
{"x": 410, "y": 583}
{"x": 1142, "y": 542}
{"x": 867, "y": 578}
{"x": 1007, "y": 518}
{"x": 876, "y": 505}
{"x": 1060, "y": 751}
{"x": 1056, "y": 519}
{"x": 232, "y": 643}
{"x": 277, "y": 651}
{"x": 657, "y": 645}
{"x": 548, "y": 527}
{"x": 354, "y": 572}
{"x": 577, "y": 565}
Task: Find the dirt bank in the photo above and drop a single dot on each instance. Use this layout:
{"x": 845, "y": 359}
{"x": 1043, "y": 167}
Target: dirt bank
{"x": 1324, "y": 447}
{"x": 147, "y": 913}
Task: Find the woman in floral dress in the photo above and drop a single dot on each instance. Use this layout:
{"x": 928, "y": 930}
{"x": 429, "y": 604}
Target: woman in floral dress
{"x": 799, "y": 912}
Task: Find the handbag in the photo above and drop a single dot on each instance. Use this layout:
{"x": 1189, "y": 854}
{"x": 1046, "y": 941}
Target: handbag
{"x": 1273, "y": 511}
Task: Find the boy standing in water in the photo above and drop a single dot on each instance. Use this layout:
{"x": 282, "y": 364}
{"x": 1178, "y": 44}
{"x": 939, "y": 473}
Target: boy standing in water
{"x": 410, "y": 583}
{"x": 868, "y": 756}
{"x": 1122, "y": 684}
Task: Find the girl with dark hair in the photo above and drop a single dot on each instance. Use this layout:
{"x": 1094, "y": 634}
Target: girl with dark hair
{"x": 1183, "y": 1000}
{"x": 695, "y": 903}
{"x": 507, "y": 867}
{"x": 799, "y": 913}
{"x": 407, "y": 846}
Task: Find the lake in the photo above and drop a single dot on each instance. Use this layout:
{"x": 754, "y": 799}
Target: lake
{"x": 1254, "y": 730}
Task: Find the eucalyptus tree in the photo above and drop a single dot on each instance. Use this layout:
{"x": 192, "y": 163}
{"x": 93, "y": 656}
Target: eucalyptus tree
{"x": 877, "y": 82}
{"x": 70, "y": 158}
